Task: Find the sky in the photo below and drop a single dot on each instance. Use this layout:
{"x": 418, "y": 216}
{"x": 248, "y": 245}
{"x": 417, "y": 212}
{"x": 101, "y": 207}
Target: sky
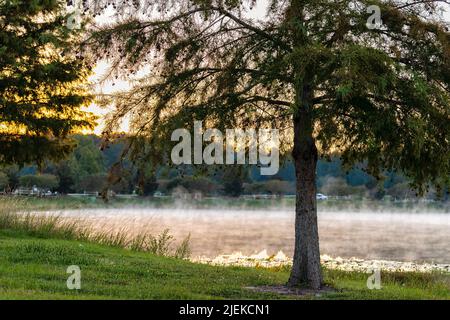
{"x": 257, "y": 12}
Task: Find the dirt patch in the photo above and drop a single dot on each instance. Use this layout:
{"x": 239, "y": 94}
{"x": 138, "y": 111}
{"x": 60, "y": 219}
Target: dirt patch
{"x": 291, "y": 291}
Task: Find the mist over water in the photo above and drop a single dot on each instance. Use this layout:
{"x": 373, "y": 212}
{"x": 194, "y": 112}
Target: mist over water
{"x": 388, "y": 234}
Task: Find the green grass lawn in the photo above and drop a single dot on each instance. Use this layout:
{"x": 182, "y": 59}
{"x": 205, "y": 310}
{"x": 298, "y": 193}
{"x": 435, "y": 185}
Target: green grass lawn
{"x": 35, "y": 268}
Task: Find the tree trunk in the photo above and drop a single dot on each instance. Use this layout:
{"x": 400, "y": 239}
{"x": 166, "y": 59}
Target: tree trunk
{"x": 306, "y": 270}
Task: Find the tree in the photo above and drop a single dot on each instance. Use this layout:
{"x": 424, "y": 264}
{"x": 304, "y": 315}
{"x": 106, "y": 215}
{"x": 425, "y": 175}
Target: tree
{"x": 45, "y": 181}
{"x": 191, "y": 184}
{"x": 4, "y": 181}
{"x": 317, "y": 69}
{"x": 92, "y": 183}
{"x": 233, "y": 180}
{"x": 278, "y": 187}
{"x": 65, "y": 176}
{"x": 401, "y": 191}
{"x": 42, "y": 82}
{"x": 86, "y": 158}
{"x": 333, "y": 186}
{"x": 149, "y": 185}
{"x": 12, "y": 173}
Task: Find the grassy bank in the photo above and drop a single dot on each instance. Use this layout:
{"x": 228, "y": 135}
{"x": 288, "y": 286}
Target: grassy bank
{"x": 35, "y": 252}
{"x": 55, "y": 227}
{"x": 33, "y": 267}
{"x": 66, "y": 202}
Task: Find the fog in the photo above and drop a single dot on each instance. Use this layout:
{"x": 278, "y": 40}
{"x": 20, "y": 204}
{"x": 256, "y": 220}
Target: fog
{"x": 387, "y": 235}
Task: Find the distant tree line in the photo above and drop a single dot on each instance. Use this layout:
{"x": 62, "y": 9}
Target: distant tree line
{"x": 87, "y": 169}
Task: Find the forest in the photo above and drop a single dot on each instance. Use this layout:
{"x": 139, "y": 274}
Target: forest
{"x": 88, "y": 167}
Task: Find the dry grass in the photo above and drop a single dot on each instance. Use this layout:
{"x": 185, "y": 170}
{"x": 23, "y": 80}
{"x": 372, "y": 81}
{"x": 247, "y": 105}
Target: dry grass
{"x": 53, "y": 226}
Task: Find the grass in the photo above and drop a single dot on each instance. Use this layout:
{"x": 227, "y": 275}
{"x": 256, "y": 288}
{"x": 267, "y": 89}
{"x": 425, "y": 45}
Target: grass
{"x": 35, "y": 268}
{"x": 55, "y": 227}
{"x": 356, "y": 204}
{"x": 35, "y": 252}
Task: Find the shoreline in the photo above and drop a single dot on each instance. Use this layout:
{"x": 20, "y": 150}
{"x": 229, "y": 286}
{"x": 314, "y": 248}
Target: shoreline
{"x": 263, "y": 260}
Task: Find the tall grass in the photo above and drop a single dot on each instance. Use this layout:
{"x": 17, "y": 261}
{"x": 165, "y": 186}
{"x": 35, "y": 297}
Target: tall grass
{"x": 51, "y": 226}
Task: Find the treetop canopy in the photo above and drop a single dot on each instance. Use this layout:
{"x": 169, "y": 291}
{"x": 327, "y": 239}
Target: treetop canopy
{"x": 379, "y": 95}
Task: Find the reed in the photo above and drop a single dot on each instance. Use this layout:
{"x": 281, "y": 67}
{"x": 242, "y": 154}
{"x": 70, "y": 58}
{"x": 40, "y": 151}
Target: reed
{"x": 54, "y": 226}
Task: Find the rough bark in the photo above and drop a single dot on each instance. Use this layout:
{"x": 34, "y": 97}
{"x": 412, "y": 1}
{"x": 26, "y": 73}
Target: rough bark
{"x": 306, "y": 270}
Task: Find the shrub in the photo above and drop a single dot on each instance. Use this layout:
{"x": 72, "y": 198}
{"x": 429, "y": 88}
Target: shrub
{"x": 92, "y": 183}
{"x": 275, "y": 187}
{"x": 279, "y": 187}
{"x": 44, "y": 181}
{"x": 4, "y": 181}
{"x": 192, "y": 184}
{"x": 76, "y": 229}
{"x": 334, "y": 186}
{"x": 150, "y": 185}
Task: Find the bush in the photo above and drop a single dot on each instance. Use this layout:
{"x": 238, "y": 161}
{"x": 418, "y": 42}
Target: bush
{"x": 192, "y": 184}
{"x": 279, "y": 187}
{"x": 162, "y": 185}
{"x": 57, "y": 227}
{"x": 338, "y": 187}
{"x": 275, "y": 187}
{"x": 92, "y": 183}
{"x": 150, "y": 185}
{"x": 4, "y": 181}
{"x": 44, "y": 181}
{"x": 123, "y": 183}
{"x": 254, "y": 188}
{"x": 65, "y": 176}
{"x": 233, "y": 179}
{"x": 233, "y": 186}
{"x": 401, "y": 191}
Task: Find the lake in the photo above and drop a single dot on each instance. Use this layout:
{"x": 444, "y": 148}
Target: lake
{"x": 387, "y": 235}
